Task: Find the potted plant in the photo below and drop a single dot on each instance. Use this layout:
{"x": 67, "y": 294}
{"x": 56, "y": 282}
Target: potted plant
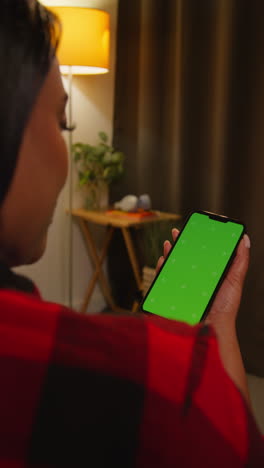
{"x": 98, "y": 166}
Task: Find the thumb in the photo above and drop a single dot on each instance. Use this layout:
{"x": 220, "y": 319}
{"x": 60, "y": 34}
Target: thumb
{"x": 227, "y": 299}
{"x": 239, "y": 267}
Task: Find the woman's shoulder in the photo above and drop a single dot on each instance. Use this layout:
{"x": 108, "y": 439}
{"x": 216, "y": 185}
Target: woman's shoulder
{"x": 154, "y": 385}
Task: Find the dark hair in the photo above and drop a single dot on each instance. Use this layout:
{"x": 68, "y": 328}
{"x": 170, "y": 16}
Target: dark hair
{"x": 29, "y": 35}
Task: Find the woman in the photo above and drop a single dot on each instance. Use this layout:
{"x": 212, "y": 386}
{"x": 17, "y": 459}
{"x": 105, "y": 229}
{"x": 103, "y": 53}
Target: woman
{"x": 97, "y": 391}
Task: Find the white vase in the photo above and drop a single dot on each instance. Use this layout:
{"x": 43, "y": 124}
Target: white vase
{"x": 97, "y": 196}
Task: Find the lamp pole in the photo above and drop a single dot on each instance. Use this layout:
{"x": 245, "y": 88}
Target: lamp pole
{"x": 71, "y": 125}
{"x": 85, "y": 45}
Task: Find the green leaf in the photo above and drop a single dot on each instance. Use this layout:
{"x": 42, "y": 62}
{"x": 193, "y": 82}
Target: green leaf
{"x": 117, "y": 157}
{"x": 77, "y": 147}
{"x": 77, "y": 157}
{"x": 107, "y": 159}
{"x": 103, "y": 136}
{"x": 120, "y": 169}
{"x": 82, "y": 182}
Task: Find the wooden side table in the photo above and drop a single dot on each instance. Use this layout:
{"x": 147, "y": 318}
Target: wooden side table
{"x": 84, "y": 217}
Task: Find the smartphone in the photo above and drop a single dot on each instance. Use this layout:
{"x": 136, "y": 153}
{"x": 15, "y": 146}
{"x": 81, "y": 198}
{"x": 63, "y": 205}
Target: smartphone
{"x": 186, "y": 284}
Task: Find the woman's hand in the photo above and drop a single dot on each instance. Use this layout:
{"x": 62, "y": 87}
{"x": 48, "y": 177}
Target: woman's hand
{"x": 223, "y": 312}
{"x": 227, "y": 300}
{"x": 166, "y": 248}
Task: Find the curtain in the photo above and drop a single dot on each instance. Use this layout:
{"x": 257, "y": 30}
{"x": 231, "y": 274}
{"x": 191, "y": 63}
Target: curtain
{"x": 189, "y": 115}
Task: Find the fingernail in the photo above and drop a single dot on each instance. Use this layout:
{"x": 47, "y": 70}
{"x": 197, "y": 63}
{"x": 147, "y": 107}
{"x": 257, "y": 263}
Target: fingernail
{"x": 247, "y": 241}
{"x": 174, "y": 231}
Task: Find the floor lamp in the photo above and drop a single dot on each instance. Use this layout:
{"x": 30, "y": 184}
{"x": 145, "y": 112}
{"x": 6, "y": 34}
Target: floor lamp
{"x": 83, "y": 50}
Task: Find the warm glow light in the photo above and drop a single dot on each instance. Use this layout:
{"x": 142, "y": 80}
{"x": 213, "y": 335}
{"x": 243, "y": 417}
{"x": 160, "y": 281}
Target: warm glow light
{"x": 85, "y": 40}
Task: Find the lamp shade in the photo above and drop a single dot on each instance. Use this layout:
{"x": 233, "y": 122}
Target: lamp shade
{"x": 85, "y": 40}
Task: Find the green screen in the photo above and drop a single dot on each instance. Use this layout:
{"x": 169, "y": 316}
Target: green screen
{"x": 188, "y": 278}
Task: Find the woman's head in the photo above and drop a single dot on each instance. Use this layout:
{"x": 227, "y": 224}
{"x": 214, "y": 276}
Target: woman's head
{"x": 33, "y": 159}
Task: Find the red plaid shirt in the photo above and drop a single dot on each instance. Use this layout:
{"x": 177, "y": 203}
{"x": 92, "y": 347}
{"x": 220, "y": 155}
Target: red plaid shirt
{"x": 104, "y": 391}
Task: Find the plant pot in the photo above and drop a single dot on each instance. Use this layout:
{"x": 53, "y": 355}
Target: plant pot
{"x": 97, "y": 196}
{"x": 148, "y": 275}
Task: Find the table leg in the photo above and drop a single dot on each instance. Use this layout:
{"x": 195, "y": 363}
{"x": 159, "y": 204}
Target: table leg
{"x": 98, "y": 261}
{"x": 134, "y": 262}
